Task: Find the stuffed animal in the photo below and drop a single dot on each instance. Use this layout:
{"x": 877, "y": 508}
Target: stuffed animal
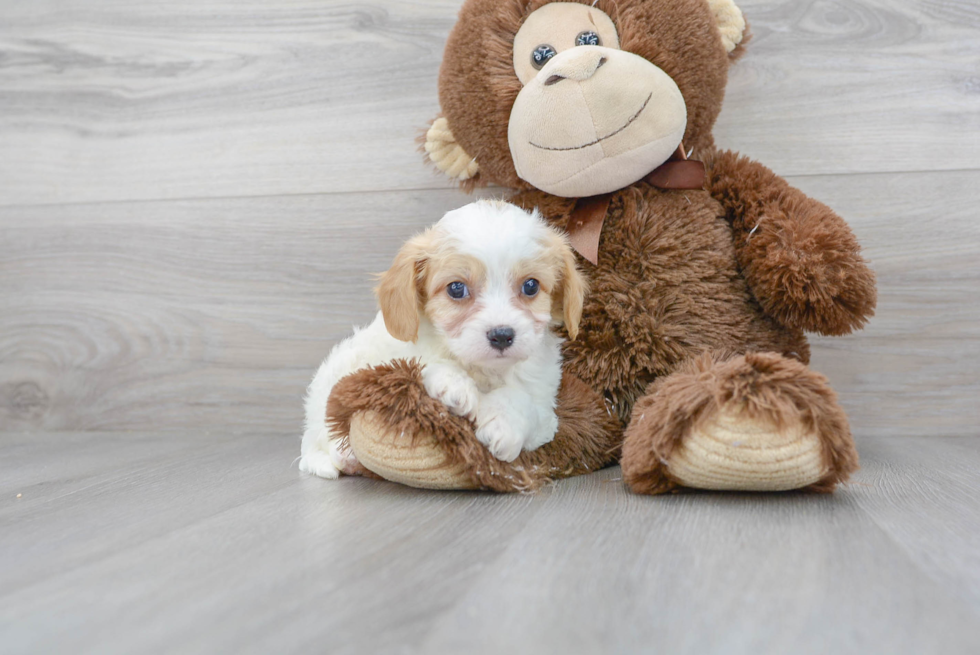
{"x": 705, "y": 268}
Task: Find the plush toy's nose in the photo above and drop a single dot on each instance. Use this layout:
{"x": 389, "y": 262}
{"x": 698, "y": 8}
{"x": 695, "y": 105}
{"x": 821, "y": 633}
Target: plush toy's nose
{"x": 577, "y": 64}
{"x": 501, "y": 338}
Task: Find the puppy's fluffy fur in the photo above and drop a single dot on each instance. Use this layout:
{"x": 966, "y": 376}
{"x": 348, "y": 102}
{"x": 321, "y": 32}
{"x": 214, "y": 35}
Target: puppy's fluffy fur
{"x": 473, "y": 298}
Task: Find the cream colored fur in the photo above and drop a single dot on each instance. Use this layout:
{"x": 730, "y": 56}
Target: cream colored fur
{"x": 739, "y": 453}
{"x": 731, "y": 22}
{"x": 448, "y": 156}
{"x": 621, "y": 118}
{"x": 558, "y": 24}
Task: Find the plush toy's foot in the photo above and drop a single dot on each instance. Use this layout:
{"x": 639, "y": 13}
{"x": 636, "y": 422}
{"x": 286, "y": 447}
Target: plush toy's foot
{"x": 401, "y": 434}
{"x": 736, "y": 451}
{"x": 756, "y": 422}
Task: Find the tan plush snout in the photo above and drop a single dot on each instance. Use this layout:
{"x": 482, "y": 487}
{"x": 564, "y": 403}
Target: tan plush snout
{"x": 579, "y": 64}
{"x": 594, "y": 120}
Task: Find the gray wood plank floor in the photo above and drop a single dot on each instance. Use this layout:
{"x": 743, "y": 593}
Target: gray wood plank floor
{"x": 193, "y": 196}
{"x": 202, "y": 544}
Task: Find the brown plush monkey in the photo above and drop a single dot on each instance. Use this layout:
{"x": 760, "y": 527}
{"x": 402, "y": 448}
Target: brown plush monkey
{"x": 706, "y": 268}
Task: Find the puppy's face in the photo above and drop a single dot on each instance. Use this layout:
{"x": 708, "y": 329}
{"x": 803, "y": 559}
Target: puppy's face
{"x": 489, "y": 312}
{"x": 490, "y": 278}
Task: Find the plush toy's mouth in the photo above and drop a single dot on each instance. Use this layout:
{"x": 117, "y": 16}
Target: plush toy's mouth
{"x": 600, "y": 139}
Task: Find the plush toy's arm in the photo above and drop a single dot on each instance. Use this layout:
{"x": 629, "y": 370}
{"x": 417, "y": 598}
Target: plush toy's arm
{"x": 397, "y": 431}
{"x": 801, "y": 260}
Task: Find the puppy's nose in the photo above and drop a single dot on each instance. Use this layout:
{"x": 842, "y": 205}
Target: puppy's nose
{"x": 501, "y": 338}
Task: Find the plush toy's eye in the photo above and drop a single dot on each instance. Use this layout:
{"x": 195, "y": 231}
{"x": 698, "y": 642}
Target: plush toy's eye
{"x": 531, "y": 287}
{"x": 541, "y": 55}
{"x": 588, "y": 38}
{"x": 457, "y": 290}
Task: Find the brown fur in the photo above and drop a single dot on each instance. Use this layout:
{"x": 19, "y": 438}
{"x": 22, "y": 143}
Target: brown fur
{"x": 667, "y": 288}
{"x": 743, "y": 267}
{"x": 802, "y": 262}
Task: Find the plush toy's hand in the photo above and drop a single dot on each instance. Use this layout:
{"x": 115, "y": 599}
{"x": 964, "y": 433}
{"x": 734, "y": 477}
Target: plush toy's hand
{"x": 807, "y": 272}
{"x": 453, "y": 388}
{"x": 800, "y": 259}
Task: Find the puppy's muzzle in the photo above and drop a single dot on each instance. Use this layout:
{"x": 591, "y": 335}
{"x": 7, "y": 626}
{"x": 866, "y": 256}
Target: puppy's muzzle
{"x": 501, "y": 338}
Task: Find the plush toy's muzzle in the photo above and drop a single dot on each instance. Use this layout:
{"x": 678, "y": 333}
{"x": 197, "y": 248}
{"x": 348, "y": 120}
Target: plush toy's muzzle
{"x": 594, "y": 120}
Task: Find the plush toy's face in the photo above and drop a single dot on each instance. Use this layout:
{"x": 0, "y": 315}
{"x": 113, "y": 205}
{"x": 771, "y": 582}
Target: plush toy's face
{"x": 591, "y": 118}
{"x": 581, "y": 97}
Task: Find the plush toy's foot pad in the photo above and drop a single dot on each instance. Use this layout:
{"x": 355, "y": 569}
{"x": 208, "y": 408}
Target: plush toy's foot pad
{"x": 755, "y": 422}
{"x": 398, "y": 432}
{"x": 735, "y": 452}
{"x": 412, "y": 460}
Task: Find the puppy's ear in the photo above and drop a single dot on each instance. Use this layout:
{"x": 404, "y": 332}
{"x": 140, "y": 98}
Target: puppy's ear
{"x": 400, "y": 289}
{"x": 572, "y": 288}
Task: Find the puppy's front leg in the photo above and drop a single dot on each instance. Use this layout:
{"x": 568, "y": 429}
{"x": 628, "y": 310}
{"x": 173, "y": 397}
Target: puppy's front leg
{"x": 504, "y": 421}
{"x": 545, "y": 428}
{"x": 451, "y": 386}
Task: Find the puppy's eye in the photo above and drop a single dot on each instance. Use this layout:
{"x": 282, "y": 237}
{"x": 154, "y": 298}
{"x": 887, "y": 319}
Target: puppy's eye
{"x": 588, "y": 38}
{"x": 457, "y": 290}
{"x": 541, "y": 55}
{"x": 531, "y": 287}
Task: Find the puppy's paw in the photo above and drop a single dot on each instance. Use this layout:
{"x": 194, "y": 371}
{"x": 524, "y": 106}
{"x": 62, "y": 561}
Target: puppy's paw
{"x": 319, "y": 463}
{"x": 453, "y": 388}
{"x": 328, "y": 458}
{"x": 343, "y": 458}
{"x": 500, "y": 436}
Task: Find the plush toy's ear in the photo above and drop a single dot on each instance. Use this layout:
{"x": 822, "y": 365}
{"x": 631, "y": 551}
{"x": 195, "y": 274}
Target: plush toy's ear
{"x": 448, "y": 156}
{"x": 731, "y": 23}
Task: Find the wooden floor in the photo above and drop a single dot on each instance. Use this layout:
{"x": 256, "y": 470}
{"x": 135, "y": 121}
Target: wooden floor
{"x": 193, "y": 195}
{"x": 192, "y": 543}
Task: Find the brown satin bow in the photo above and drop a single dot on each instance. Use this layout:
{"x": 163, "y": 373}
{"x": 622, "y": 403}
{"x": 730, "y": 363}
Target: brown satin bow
{"x": 585, "y": 223}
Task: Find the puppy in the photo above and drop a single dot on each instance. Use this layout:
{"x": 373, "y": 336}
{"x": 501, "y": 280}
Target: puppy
{"x": 474, "y": 299}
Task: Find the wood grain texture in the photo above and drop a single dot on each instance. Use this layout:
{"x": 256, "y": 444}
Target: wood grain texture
{"x": 213, "y": 314}
{"x": 187, "y": 314}
{"x": 181, "y": 99}
{"x": 913, "y": 370}
{"x": 178, "y": 543}
{"x": 104, "y": 100}
{"x": 857, "y": 86}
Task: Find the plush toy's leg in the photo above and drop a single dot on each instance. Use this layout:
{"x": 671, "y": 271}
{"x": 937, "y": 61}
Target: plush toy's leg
{"x": 754, "y": 422}
{"x": 401, "y": 434}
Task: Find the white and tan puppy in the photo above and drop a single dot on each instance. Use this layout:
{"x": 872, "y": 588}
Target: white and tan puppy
{"x": 474, "y": 298}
